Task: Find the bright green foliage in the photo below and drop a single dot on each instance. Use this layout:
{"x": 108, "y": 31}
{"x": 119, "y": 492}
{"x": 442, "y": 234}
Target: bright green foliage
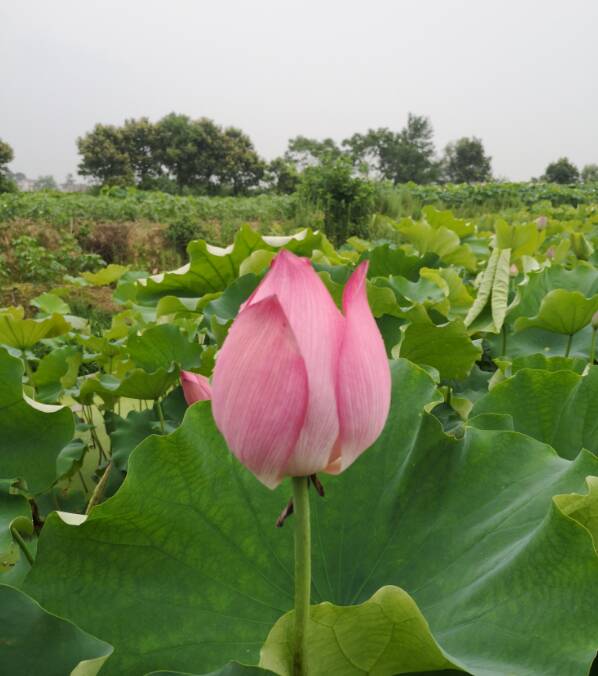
{"x": 478, "y": 550}
{"x": 36, "y": 642}
{"x": 386, "y": 634}
{"x": 16, "y": 331}
{"x": 456, "y": 537}
{"x": 32, "y": 434}
{"x": 446, "y": 347}
{"x": 559, "y": 408}
{"x": 561, "y": 311}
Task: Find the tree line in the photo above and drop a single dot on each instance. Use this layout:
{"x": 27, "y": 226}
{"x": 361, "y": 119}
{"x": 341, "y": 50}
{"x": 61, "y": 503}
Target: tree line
{"x": 179, "y": 154}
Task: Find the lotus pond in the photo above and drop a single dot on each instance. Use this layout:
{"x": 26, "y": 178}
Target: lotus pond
{"x": 133, "y": 542}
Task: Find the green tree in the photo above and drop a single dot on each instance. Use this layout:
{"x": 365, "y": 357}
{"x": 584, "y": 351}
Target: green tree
{"x": 282, "y": 176}
{"x": 589, "y": 174}
{"x": 104, "y": 156}
{"x": 305, "y": 152}
{"x": 7, "y": 184}
{"x": 139, "y": 141}
{"x": 240, "y": 166}
{"x": 407, "y": 155}
{"x": 346, "y": 201}
{"x": 562, "y": 171}
{"x": 465, "y": 161}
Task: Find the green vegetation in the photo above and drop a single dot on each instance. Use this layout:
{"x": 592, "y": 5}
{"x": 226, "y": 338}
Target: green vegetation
{"x": 482, "y": 486}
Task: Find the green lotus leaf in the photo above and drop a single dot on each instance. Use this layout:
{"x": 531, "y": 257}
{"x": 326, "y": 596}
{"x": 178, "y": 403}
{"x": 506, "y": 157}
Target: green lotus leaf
{"x": 460, "y": 300}
{"x": 545, "y": 363}
{"x": 56, "y": 372}
{"x": 386, "y": 634}
{"x": 50, "y": 303}
{"x": 106, "y": 276}
{"x": 136, "y": 384}
{"x": 161, "y": 346}
{"x": 33, "y": 434}
{"x": 231, "y": 669}
{"x": 446, "y": 347}
{"x": 387, "y": 259}
{"x": 561, "y": 311}
{"x": 538, "y": 341}
{"x": 522, "y": 239}
{"x": 16, "y": 331}
{"x": 36, "y": 642}
{"x": 212, "y": 268}
{"x": 15, "y": 513}
{"x": 467, "y": 528}
{"x": 559, "y": 408}
{"x": 441, "y": 241}
{"x": 582, "y": 278}
{"x": 446, "y": 219}
{"x": 222, "y": 310}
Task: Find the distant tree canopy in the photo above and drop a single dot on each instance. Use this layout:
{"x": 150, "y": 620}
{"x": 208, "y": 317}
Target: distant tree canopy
{"x": 561, "y": 171}
{"x": 6, "y": 155}
{"x": 589, "y": 174}
{"x": 176, "y": 153}
{"x": 465, "y": 161}
{"x": 406, "y": 155}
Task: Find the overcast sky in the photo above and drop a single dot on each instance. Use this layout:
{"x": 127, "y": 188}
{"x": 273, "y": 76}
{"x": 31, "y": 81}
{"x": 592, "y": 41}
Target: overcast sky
{"x": 520, "y": 74}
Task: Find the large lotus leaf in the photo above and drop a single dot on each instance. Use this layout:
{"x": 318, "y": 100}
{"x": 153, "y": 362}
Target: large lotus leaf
{"x": 213, "y": 268}
{"x": 541, "y": 361}
{"x": 387, "y": 259}
{"x": 446, "y": 219}
{"x": 231, "y": 669}
{"x": 161, "y": 346}
{"x": 535, "y": 341}
{"x": 50, "y": 303}
{"x": 33, "y": 434}
{"x": 106, "y": 276}
{"x": 421, "y": 291}
{"x": 559, "y": 408}
{"x": 446, "y": 347}
{"x": 561, "y": 311}
{"x": 460, "y": 300}
{"x": 374, "y": 638}
{"x": 187, "y": 547}
{"x": 522, "y": 239}
{"x": 224, "y": 309}
{"x": 583, "y": 278}
{"x": 15, "y": 513}
{"x": 136, "y": 384}
{"x": 490, "y": 306}
{"x": 443, "y": 242}
{"x": 583, "y": 508}
{"x": 16, "y": 331}
{"x": 56, "y": 372}
{"x": 34, "y": 642}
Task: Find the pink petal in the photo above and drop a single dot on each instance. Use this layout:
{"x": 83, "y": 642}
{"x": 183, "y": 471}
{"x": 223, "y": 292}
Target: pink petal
{"x": 195, "y": 387}
{"x": 259, "y": 390}
{"x": 363, "y": 386}
{"x": 317, "y": 325}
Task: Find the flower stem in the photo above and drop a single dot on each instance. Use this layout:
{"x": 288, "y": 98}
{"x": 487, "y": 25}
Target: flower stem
{"x": 302, "y": 573}
{"x": 568, "y": 348}
{"x": 593, "y": 347}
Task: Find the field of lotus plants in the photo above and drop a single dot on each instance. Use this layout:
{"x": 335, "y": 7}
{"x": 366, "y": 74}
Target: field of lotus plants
{"x": 289, "y": 458}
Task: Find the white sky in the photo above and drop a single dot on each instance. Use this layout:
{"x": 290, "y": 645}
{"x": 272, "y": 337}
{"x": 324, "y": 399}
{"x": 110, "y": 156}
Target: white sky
{"x": 521, "y": 74}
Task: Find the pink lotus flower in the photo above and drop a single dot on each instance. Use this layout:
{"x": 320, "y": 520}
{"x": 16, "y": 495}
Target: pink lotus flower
{"x": 298, "y": 388}
{"x": 195, "y": 387}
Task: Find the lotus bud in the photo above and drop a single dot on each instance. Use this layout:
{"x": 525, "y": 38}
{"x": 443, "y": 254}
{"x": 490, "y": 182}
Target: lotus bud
{"x": 195, "y": 387}
{"x": 595, "y": 321}
{"x": 541, "y": 222}
{"x": 298, "y": 386}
